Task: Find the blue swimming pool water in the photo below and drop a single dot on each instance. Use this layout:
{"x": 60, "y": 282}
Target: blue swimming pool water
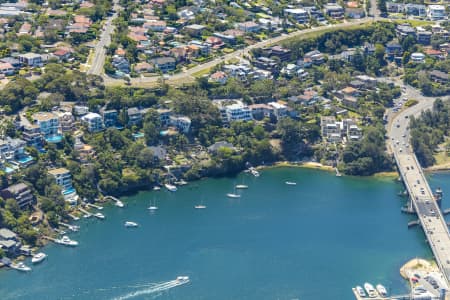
{"x": 25, "y": 159}
{"x": 9, "y": 170}
{"x": 69, "y": 191}
{"x": 54, "y": 139}
{"x": 138, "y": 135}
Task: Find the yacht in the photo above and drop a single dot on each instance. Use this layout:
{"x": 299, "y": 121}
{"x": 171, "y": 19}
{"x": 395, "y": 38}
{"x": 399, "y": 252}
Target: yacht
{"x": 20, "y": 267}
{"x": 66, "y": 241}
{"x": 153, "y": 207}
{"x": 291, "y": 183}
{"x": 119, "y": 203}
{"x": 183, "y": 278}
{"x": 242, "y": 186}
{"x": 99, "y": 215}
{"x": 170, "y": 187}
{"x": 360, "y": 291}
{"x": 381, "y": 290}
{"x": 232, "y": 195}
{"x": 131, "y": 224}
{"x": 37, "y": 258}
{"x": 370, "y": 290}
{"x": 156, "y": 188}
{"x": 254, "y": 172}
{"x": 200, "y": 206}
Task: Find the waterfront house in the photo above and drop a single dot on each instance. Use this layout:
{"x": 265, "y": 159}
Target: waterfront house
{"x": 32, "y": 134}
{"x": 10, "y": 148}
{"x": 63, "y": 178}
{"x": 19, "y": 192}
{"x": 134, "y": 116}
{"x": 93, "y": 122}
{"x": 233, "y": 110}
{"x": 9, "y": 242}
{"x": 110, "y": 117}
{"x": 48, "y": 123}
{"x": 85, "y": 152}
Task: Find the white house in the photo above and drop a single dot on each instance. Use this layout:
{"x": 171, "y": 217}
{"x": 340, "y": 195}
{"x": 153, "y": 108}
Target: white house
{"x": 93, "y": 122}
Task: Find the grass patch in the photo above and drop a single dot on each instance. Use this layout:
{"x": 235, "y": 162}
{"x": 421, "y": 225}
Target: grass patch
{"x": 414, "y": 23}
{"x": 411, "y": 102}
{"x": 442, "y": 158}
{"x": 201, "y": 73}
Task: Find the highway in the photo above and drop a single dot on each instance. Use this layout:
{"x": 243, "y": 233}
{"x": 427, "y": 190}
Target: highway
{"x": 420, "y": 193}
{"x": 98, "y": 61}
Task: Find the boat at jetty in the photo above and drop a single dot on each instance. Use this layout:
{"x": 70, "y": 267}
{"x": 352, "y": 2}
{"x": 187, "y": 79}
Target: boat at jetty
{"x": 254, "y": 172}
{"x": 66, "y": 241}
{"x": 291, "y": 183}
{"x": 119, "y": 203}
{"x": 381, "y": 290}
{"x": 241, "y": 186}
{"x": 99, "y": 215}
{"x": 233, "y": 195}
{"x": 170, "y": 187}
{"x": 131, "y": 224}
{"x": 156, "y": 188}
{"x": 370, "y": 290}
{"x": 20, "y": 267}
{"x": 37, "y": 258}
{"x": 360, "y": 291}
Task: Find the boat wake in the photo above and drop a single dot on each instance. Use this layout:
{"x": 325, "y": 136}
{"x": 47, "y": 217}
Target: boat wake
{"x": 155, "y": 288}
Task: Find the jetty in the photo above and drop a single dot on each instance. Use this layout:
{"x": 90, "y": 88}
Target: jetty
{"x": 75, "y": 218}
{"x": 117, "y": 202}
{"x": 94, "y": 206}
{"x": 413, "y": 223}
{"x": 73, "y": 228}
{"x": 85, "y": 212}
{"x": 396, "y": 297}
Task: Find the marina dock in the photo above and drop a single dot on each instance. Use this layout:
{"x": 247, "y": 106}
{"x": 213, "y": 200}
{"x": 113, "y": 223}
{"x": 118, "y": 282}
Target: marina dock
{"x": 94, "y": 206}
{"x": 73, "y": 228}
{"x": 75, "y": 218}
{"x": 85, "y": 212}
{"x": 396, "y": 297}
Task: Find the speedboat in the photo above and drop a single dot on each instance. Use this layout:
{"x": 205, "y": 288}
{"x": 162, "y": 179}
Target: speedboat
{"x": 20, "y": 267}
{"x": 360, "y": 291}
{"x": 242, "y": 186}
{"x": 37, "y": 258}
{"x": 66, "y": 241}
{"x": 99, "y": 215}
{"x": 156, "y": 188}
{"x": 254, "y": 172}
{"x": 131, "y": 224}
{"x": 153, "y": 207}
{"x": 183, "y": 278}
{"x": 200, "y": 206}
{"x": 291, "y": 183}
{"x": 181, "y": 182}
{"x": 370, "y": 290}
{"x": 170, "y": 187}
{"x": 381, "y": 290}
{"x": 119, "y": 203}
{"x": 232, "y": 195}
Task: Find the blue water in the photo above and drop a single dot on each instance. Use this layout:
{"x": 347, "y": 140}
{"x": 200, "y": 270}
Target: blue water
{"x": 9, "y": 170}
{"x": 138, "y": 135}
{"x": 315, "y": 240}
{"x": 68, "y": 191}
{"x": 25, "y": 159}
{"x": 54, "y": 139}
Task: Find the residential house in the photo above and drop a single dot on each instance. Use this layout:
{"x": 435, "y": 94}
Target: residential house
{"x": 434, "y": 53}
{"x": 393, "y": 49}
{"x": 369, "y": 82}
{"x": 194, "y": 29}
{"x": 330, "y": 129}
{"x": 143, "y": 67}
{"x": 215, "y": 42}
{"x": 214, "y": 148}
{"x": 164, "y": 64}
{"x": 278, "y": 51}
{"x": 219, "y": 77}
{"x": 334, "y": 11}
{"x": 13, "y": 61}
{"x": 155, "y": 25}
{"x": 31, "y": 59}
{"x": 249, "y": 26}
{"x": 64, "y": 180}
{"x": 439, "y": 76}
{"x": 394, "y": 7}
{"x": 315, "y": 56}
{"x": 25, "y": 29}
{"x": 32, "y": 134}
{"x": 85, "y": 152}
{"x": 9, "y": 242}
{"x": 418, "y": 10}
{"x": 164, "y": 116}
{"x": 7, "y": 69}
{"x": 62, "y": 54}
{"x": 233, "y": 110}
{"x": 19, "y": 192}
{"x": 298, "y": 14}
{"x": 65, "y": 120}
{"x": 265, "y": 63}
{"x": 121, "y": 64}
{"x": 280, "y": 110}
{"x": 436, "y": 12}
{"x": 93, "y": 122}
{"x": 134, "y": 116}
{"x": 48, "y": 123}
{"x": 404, "y": 30}
{"x": 418, "y": 57}
{"x": 11, "y": 149}
{"x": 159, "y": 153}
{"x": 355, "y": 13}
{"x": 260, "y": 111}
{"x": 424, "y": 37}
{"x": 110, "y": 117}
{"x": 183, "y": 124}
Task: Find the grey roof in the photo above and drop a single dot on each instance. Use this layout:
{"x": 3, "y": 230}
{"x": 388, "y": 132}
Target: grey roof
{"x": 133, "y": 111}
{"x": 158, "y": 152}
{"x": 8, "y": 243}
{"x": 222, "y": 144}
{"x": 16, "y": 188}
{"x": 6, "y": 234}
{"x": 163, "y": 60}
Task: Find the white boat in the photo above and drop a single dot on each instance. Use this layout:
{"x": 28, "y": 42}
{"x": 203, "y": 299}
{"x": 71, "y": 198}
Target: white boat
{"x": 131, "y": 224}
{"x": 119, "y": 203}
{"x": 37, "y": 258}
{"x": 370, "y": 290}
{"x": 360, "y": 291}
{"x": 181, "y": 182}
{"x": 242, "y": 186}
{"x": 381, "y": 290}
{"x": 183, "y": 278}
{"x": 200, "y": 206}
{"x": 20, "y": 267}
{"x": 232, "y": 195}
{"x": 254, "y": 172}
{"x": 153, "y": 206}
{"x": 66, "y": 241}
{"x": 156, "y": 188}
{"x": 170, "y": 187}
{"x": 99, "y": 215}
{"x": 291, "y": 183}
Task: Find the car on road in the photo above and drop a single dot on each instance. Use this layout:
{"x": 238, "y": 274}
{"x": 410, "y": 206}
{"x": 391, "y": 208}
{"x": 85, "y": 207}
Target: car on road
{"x": 400, "y": 150}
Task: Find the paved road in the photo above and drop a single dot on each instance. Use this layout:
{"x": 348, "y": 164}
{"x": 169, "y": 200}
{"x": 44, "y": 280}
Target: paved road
{"x": 98, "y": 60}
{"x": 188, "y": 75}
{"x": 420, "y": 193}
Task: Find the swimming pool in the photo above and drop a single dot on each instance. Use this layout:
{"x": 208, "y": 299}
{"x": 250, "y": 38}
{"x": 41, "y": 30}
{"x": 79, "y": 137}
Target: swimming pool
{"x": 9, "y": 170}
{"x": 54, "y": 139}
{"x": 138, "y": 135}
{"x": 25, "y": 159}
{"x": 69, "y": 191}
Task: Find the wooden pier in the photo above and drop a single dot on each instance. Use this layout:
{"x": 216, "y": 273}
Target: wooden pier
{"x": 85, "y": 212}
{"x": 94, "y": 206}
{"x": 75, "y": 218}
{"x": 413, "y": 223}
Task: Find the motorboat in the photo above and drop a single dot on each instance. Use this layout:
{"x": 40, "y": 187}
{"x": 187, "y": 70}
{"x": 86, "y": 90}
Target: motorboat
{"x": 99, "y": 215}
{"x": 381, "y": 290}
{"x": 170, "y": 187}
{"x": 65, "y": 240}
{"x": 119, "y": 203}
{"x": 360, "y": 291}
{"x": 183, "y": 278}
{"x": 156, "y": 188}
{"x": 181, "y": 182}
{"x": 153, "y": 207}
{"x": 254, "y": 172}
{"x": 241, "y": 186}
{"x": 37, "y": 258}
{"x": 131, "y": 224}
{"x": 20, "y": 267}
{"x": 370, "y": 290}
{"x": 200, "y": 206}
{"x": 232, "y": 195}
{"x": 291, "y": 183}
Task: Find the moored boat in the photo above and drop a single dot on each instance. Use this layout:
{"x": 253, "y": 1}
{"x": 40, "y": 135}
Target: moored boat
{"x": 65, "y": 240}
{"x": 254, "y": 172}
{"x": 37, "y": 258}
{"x": 99, "y": 215}
{"x": 119, "y": 203}
{"x": 291, "y": 183}
{"x": 232, "y": 195}
{"x": 360, "y": 291}
{"x": 242, "y": 186}
{"x": 156, "y": 188}
{"x": 381, "y": 290}
{"x": 20, "y": 267}
{"x": 131, "y": 224}
{"x": 170, "y": 187}
{"x": 200, "y": 206}
{"x": 370, "y": 290}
